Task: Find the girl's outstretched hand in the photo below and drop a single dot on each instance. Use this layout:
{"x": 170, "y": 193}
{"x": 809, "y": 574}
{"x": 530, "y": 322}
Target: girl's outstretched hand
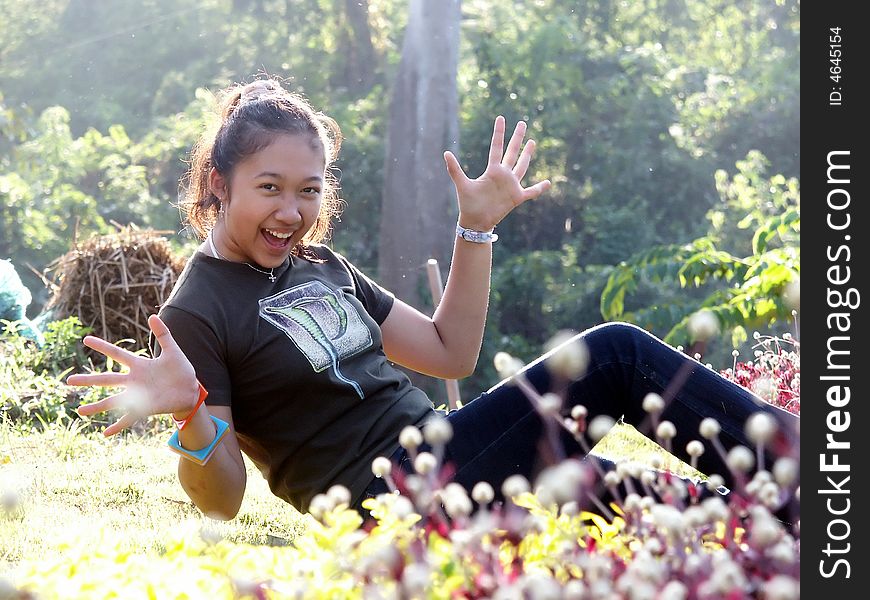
{"x": 485, "y": 201}
{"x": 152, "y": 386}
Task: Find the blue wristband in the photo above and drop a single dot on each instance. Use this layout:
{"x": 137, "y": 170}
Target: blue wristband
{"x": 200, "y": 457}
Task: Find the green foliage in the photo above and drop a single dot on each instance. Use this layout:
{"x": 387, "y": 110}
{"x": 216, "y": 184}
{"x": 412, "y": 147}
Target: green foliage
{"x": 31, "y": 376}
{"x": 634, "y": 107}
{"x": 750, "y": 288}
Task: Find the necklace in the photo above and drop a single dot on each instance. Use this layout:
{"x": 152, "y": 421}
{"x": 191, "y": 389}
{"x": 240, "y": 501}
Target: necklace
{"x": 214, "y": 250}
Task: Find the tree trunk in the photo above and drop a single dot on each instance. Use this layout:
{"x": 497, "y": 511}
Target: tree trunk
{"x": 359, "y": 63}
{"x": 419, "y": 208}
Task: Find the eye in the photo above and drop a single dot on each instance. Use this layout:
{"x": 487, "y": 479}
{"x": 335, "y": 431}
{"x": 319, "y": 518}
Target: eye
{"x": 311, "y": 191}
{"x": 269, "y": 187}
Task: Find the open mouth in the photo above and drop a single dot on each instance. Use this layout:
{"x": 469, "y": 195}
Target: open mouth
{"x": 276, "y": 239}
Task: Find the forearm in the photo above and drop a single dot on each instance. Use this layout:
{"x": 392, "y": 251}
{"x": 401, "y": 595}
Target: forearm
{"x": 217, "y": 487}
{"x": 461, "y": 315}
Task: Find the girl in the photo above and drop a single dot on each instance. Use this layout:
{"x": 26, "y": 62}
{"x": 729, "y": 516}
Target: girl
{"x": 295, "y": 346}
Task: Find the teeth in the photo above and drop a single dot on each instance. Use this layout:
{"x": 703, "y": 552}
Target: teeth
{"x": 283, "y": 236}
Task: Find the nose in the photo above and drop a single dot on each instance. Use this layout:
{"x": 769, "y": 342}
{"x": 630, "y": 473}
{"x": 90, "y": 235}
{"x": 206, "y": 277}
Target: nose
{"x": 288, "y": 210}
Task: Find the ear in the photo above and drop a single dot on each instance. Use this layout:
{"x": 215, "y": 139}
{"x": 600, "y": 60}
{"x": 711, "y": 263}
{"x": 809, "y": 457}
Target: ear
{"x": 217, "y": 184}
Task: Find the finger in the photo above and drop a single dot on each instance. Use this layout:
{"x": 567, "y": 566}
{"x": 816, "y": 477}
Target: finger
{"x": 161, "y": 332}
{"x": 119, "y": 425}
{"x": 525, "y": 158}
{"x": 496, "y": 147}
{"x": 536, "y": 190}
{"x": 513, "y": 148}
{"x": 454, "y": 169}
{"x": 109, "y": 403}
{"x": 110, "y": 379}
{"x": 125, "y": 357}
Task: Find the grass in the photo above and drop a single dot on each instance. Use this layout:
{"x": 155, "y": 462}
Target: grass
{"x": 61, "y": 487}
{"x": 64, "y": 487}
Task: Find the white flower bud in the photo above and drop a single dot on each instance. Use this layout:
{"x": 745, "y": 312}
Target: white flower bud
{"x": 410, "y": 438}
{"x": 656, "y": 462}
{"x": 514, "y": 486}
{"x": 456, "y": 501}
{"x": 567, "y": 355}
{"x": 600, "y": 426}
{"x": 714, "y": 482}
{"x": 695, "y": 516}
{"x": 703, "y": 325}
{"x": 653, "y": 546}
{"x": 760, "y": 428}
{"x": 666, "y": 431}
{"x": 612, "y": 479}
{"x": 562, "y": 482}
{"x": 506, "y": 365}
{"x": 673, "y": 590}
{"x": 668, "y": 518}
{"x": 785, "y": 471}
{"x": 574, "y": 590}
{"x": 381, "y": 467}
{"x": 438, "y": 431}
{"x": 740, "y": 459}
{"x": 768, "y": 494}
{"x": 414, "y": 484}
{"x": 539, "y": 586}
{"x": 320, "y": 504}
{"x": 482, "y": 493}
{"x": 579, "y": 412}
{"x": 763, "y": 387}
{"x": 716, "y": 509}
{"x": 550, "y": 404}
{"x": 782, "y": 552}
{"x": 709, "y": 428}
{"x": 402, "y": 507}
{"x": 648, "y": 477}
{"x": 415, "y": 579}
{"x": 339, "y": 495}
{"x": 781, "y": 587}
{"x": 653, "y": 403}
{"x": 695, "y": 448}
{"x": 425, "y": 463}
{"x": 764, "y": 531}
{"x": 632, "y": 502}
{"x": 647, "y": 502}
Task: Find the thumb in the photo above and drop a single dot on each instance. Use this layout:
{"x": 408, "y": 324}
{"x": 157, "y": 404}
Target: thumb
{"x": 161, "y": 332}
{"x": 453, "y": 168}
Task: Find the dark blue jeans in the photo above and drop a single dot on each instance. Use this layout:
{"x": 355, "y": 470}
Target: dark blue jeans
{"x": 499, "y": 433}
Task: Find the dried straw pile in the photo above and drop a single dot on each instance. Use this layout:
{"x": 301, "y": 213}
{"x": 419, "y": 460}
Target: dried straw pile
{"x": 112, "y": 283}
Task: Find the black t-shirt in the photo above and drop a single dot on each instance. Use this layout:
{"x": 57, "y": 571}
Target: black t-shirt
{"x": 300, "y": 361}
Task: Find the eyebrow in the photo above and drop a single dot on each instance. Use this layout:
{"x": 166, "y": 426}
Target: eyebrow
{"x": 278, "y": 176}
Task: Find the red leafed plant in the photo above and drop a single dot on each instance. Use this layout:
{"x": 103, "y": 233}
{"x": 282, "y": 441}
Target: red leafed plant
{"x": 774, "y": 374}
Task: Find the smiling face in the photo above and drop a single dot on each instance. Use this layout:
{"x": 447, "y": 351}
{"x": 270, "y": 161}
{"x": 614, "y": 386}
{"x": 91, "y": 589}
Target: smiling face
{"x": 270, "y": 200}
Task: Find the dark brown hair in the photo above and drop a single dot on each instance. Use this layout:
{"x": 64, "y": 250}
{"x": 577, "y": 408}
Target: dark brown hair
{"x": 249, "y": 117}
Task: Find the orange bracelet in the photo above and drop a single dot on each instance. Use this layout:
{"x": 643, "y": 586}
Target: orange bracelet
{"x": 183, "y": 423}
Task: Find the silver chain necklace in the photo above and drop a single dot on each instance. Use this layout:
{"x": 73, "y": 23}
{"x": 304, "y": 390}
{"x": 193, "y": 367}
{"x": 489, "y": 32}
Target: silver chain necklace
{"x": 214, "y": 250}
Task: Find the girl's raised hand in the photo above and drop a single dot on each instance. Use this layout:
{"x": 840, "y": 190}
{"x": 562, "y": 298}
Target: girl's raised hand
{"x": 485, "y": 201}
{"x": 152, "y": 386}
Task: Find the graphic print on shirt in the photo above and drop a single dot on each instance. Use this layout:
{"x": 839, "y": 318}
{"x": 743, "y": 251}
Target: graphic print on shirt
{"x": 321, "y": 323}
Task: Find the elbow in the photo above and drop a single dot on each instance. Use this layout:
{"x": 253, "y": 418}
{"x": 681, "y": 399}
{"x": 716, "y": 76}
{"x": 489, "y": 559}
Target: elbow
{"x": 220, "y": 513}
{"x": 461, "y": 369}
{"x": 221, "y": 516}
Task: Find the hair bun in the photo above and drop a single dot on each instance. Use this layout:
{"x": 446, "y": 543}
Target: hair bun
{"x": 261, "y": 88}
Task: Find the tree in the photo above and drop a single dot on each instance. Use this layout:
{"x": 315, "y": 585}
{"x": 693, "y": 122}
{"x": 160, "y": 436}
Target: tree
{"x": 753, "y": 291}
{"x": 419, "y": 206}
